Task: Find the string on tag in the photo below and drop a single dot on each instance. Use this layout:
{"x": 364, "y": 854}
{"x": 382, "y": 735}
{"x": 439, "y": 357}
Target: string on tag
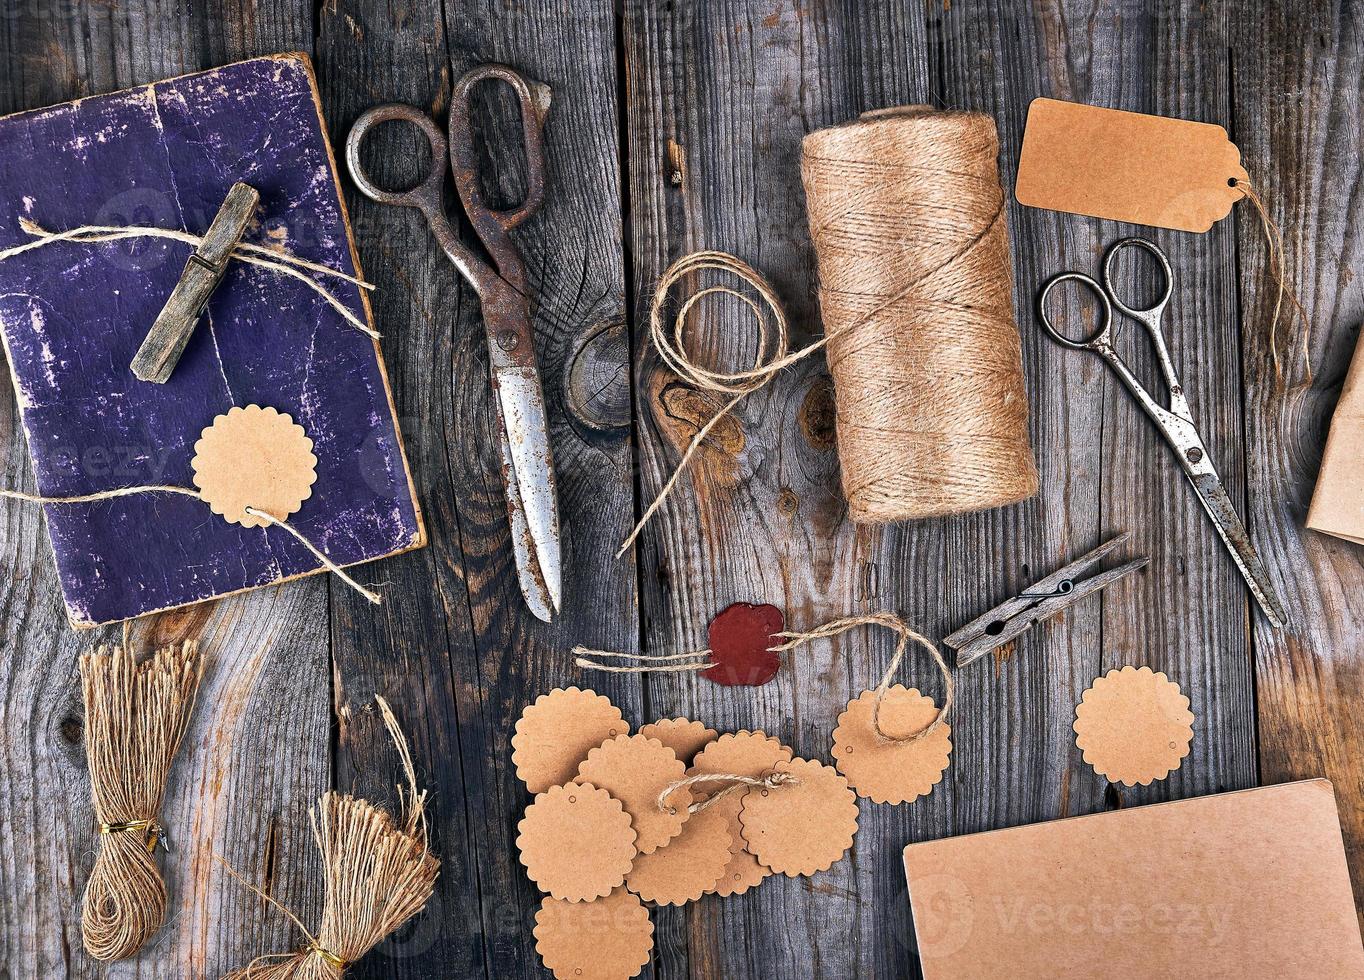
{"x": 591, "y": 659}
{"x": 1274, "y": 243}
{"x": 86, "y": 498}
{"x": 736, "y": 782}
{"x": 276, "y": 260}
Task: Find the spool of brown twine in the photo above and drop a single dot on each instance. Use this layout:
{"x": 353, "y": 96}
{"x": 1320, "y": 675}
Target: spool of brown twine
{"x": 907, "y": 219}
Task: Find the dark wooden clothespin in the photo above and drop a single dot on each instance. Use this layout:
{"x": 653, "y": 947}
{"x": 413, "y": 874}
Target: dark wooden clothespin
{"x": 165, "y": 342}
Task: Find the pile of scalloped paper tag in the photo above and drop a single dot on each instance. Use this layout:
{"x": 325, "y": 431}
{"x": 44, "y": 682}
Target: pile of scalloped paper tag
{"x": 609, "y": 830}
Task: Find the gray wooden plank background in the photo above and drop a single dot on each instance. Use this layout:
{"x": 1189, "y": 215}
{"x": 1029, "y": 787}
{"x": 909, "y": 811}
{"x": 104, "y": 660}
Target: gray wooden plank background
{"x": 676, "y": 126}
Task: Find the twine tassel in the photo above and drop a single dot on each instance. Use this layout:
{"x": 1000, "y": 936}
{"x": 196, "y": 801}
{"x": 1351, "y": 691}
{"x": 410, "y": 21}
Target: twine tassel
{"x": 378, "y": 872}
{"x": 135, "y": 718}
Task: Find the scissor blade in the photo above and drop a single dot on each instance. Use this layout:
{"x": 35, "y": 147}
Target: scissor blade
{"x": 1233, "y": 533}
{"x": 532, "y": 499}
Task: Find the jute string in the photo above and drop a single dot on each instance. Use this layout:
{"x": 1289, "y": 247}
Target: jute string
{"x": 1275, "y": 247}
{"x": 907, "y": 217}
{"x": 736, "y": 782}
{"x": 378, "y": 872}
{"x": 700, "y": 660}
{"x": 136, "y": 715}
{"x": 86, "y": 498}
{"x": 276, "y": 260}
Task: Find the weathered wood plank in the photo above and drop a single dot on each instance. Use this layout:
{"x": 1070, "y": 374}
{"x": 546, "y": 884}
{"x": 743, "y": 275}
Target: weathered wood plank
{"x": 256, "y": 754}
{"x": 1297, "y": 108}
{"x": 721, "y": 95}
{"x": 454, "y": 647}
{"x": 1187, "y": 615}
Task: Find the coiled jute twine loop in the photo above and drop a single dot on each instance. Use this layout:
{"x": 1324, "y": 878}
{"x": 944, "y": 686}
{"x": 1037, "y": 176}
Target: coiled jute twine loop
{"x": 136, "y": 715}
{"x": 907, "y": 219}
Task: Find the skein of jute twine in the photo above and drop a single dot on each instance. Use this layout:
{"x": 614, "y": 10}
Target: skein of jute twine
{"x": 378, "y": 872}
{"x": 136, "y": 715}
{"x": 700, "y": 660}
{"x": 907, "y": 217}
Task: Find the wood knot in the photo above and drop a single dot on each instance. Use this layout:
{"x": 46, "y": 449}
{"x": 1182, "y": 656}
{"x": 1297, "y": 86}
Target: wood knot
{"x": 817, "y": 414}
{"x": 71, "y": 729}
{"x": 597, "y": 377}
{"x": 787, "y": 502}
{"x": 694, "y": 409}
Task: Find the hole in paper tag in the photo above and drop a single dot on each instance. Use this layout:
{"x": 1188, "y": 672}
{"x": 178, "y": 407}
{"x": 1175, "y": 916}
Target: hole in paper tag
{"x": 689, "y": 865}
{"x": 254, "y": 457}
{"x": 882, "y": 769}
{"x": 576, "y": 842}
{"x": 801, "y": 828}
{"x": 740, "y": 639}
{"x": 608, "y": 939}
{"x": 554, "y": 735}
{"x": 634, "y": 769}
{"x": 1133, "y": 726}
{"x": 684, "y": 737}
{"x": 1127, "y": 166}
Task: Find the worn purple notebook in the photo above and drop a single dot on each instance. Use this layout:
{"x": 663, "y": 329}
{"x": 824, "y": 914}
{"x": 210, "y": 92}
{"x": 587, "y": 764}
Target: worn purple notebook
{"x": 72, "y": 316}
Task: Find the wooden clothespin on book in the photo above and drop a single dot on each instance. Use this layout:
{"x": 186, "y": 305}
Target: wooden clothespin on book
{"x": 165, "y": 342}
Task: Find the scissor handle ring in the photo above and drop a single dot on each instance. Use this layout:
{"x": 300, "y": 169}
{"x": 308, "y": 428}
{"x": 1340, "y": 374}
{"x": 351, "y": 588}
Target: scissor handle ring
{"x": 1155, "y": 310}
{"x": 1100, "y": 335}
{"x": 534, "y": 99}
{"x": 427, "y": 194}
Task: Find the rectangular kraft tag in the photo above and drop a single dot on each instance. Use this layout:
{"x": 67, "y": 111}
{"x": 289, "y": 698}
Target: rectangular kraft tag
{"x": 1127, "y": 166}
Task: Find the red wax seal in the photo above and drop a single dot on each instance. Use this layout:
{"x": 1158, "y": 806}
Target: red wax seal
{"x": 741, "y": 638}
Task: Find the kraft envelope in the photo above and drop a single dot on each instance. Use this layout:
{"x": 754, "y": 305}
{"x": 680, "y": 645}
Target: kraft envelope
{"x": 1338, "y": 501}
{"x": 1245, "y": 884}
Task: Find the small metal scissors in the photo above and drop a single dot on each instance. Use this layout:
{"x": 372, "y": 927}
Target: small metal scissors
{"x": 1176, "y": 422}
{"x": 527, "y": 467}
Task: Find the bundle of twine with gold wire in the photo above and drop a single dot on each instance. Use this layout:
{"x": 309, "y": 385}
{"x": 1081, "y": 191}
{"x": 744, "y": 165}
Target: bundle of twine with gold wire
{"x": 136, "y": 715}
{"x": 907, "y": 217}
{"x": 378, "y": 872}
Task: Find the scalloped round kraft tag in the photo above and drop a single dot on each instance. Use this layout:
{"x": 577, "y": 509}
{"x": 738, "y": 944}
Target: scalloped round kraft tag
{"x": 635, "y": 769}
{"x": 804, "y": 827}
{"x": 884, "y": 770}
{"x": 1134, "y": 726}
{"x": 744, "y": 754}
{"x": 554, "y": 735}
{"x": 689, "y": 865}
{"x": 254, "y": 457}
{"x": 684, "y": 737}
{"x": 576, "y": 842}
{"x": 609, "y": 939}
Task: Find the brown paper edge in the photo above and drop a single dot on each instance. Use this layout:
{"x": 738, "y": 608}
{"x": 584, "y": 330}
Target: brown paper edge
{"x": 1342, "y": 415}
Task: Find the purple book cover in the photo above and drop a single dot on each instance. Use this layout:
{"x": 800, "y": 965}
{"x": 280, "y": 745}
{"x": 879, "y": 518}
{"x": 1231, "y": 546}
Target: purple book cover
{"x": 73, "y": 315}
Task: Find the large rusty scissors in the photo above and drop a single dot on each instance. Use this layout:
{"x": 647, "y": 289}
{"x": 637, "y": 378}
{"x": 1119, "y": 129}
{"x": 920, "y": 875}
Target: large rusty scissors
{"x": 527, "y": 467}
{"x": 1173, "y": 419}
